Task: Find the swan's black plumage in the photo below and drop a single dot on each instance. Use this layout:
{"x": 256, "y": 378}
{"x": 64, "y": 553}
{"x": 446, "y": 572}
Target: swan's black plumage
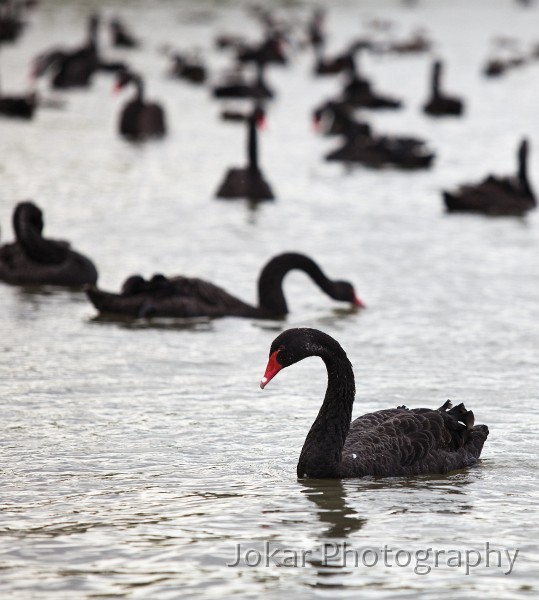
{"x": 20, "y": 107}
{"x": 121, "y": 37}
{"x": 497, "y": 196}
{"x": 186, "y": 297}
{"x": 383, "y": 151}
{"x": 33, "y": 259}
{"x": 359, "y": 92}
{"x": 248, "y": 182}
{"x": 440, "y": 104}
{"x": 11, "y": 22}
{"x": 235, "y": 85}
{"x": 391, "y": 442}
{"x": 269, "y": 50}
{"x": 139, "y": 119}
{"x": 72, "y": 68}
{"x": 76, "y": 68}
{"x": 335, "y": 117}
{"x": 188, "y": 67}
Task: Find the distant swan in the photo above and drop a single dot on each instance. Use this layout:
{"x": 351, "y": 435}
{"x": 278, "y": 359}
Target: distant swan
{"x": 496, "y": 195}
{"x": 33, "y": 259}
{"x": 139, "y": 119}
{"x": 187, "y": 297}
{"x": 439, "y": 104}
{"x": 248, "y": 182}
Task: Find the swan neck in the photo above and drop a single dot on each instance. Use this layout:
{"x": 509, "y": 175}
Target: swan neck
{"x": 523, "y": 168}
{"x": 321, "y": 455}
{"x": 93, "y": 33}
{"x": 139, "y": 86}
{"x": 270, "y": 283}
{"x": 436, "y": 76}
{"x": 252, "y": 144}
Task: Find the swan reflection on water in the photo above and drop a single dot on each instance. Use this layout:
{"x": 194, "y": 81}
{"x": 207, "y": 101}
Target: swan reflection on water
{"x": 336, "y": 504}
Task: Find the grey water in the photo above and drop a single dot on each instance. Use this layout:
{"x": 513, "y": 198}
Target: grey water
{"x": 136, "y": 458}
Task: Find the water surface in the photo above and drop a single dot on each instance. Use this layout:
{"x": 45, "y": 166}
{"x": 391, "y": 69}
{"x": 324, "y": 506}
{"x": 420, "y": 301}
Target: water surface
{"x": 136, "y": 457}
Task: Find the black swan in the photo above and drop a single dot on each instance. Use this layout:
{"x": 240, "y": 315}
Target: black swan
{"x": 495, "y": 67}
{"x": 332, "y": 66}
{"x": 496, "y": 195}
{"x": 139, "y": 119}
{"x": 20, "y": 107}
{"x": 121, "y": 37}
{"x": 387, "y": 443}
{"x": 248, "y": 182}
{"x": 335, "y": 117}
{"x": 11, "y": 22}
{"x": 185, "y": 297}
{"x": 416, "y": 44}
{"x": 439, "y": 104}
{"x": 317, "y": 39}
{"x": 358, "y": 92}
{"x": 235, "y": 85}
{"x": 33, "y": 259}
{"x": 188, "y": 67}
{"x": 383, "y": 151}
{"x": 271, "y": 50}
{"x": 75, "y": 68}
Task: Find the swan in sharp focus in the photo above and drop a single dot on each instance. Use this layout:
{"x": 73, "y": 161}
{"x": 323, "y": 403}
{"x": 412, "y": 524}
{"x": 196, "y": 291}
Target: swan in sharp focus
{"x": 386, "y": 443}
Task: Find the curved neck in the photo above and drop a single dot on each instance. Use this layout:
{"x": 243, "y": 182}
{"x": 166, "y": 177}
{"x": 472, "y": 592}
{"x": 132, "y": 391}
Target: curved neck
{"x": 139, "y": 85}
{"x": 252, "y": 144}
{"x": 270, "y": 283}
{"x": 436, "y": 75}
{"x": 321, "y": 455}
{"x": 28, "y": 226}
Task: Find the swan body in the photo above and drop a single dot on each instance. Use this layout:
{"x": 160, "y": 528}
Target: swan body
{"x": 235, "y": 85}
{"x": 21, "y": 107}
{"x": 188, "y": 68}
{"x": 384, "y": 151}
{"x": 33, "y": 259}
{"x": 358, "y": 91}
{"x": 269, "y": 51}
{"x": 386, "y": 443}
{"x": 496, "y": 196}
{"x": 11, "y": 23}
{"x": 185, "y": 297}
{"x": 335, "y": 117}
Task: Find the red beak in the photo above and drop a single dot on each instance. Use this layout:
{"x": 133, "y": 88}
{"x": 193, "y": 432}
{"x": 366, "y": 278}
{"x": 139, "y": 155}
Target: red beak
{"x": 117, "y": 88}
{"x": 261, "y": 122}
{"x": 271, "y": 370}
{"x": 359, "y": 302}
{"x": 316, "y": 124}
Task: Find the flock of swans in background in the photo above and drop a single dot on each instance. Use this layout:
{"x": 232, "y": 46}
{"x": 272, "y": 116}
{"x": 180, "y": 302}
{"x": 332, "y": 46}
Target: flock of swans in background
{"x": 397, "y": 441}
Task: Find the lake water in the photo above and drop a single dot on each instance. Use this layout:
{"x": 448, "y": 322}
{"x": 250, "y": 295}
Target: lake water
{"x": 136, "y": 457}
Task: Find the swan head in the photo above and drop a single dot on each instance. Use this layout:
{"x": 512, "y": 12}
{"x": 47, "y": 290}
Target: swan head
{"x": 122, "y": 79}
{"x": 294, "y": 345}
{"x": 29, "y": 214}
{"x": 345, "y": 292}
